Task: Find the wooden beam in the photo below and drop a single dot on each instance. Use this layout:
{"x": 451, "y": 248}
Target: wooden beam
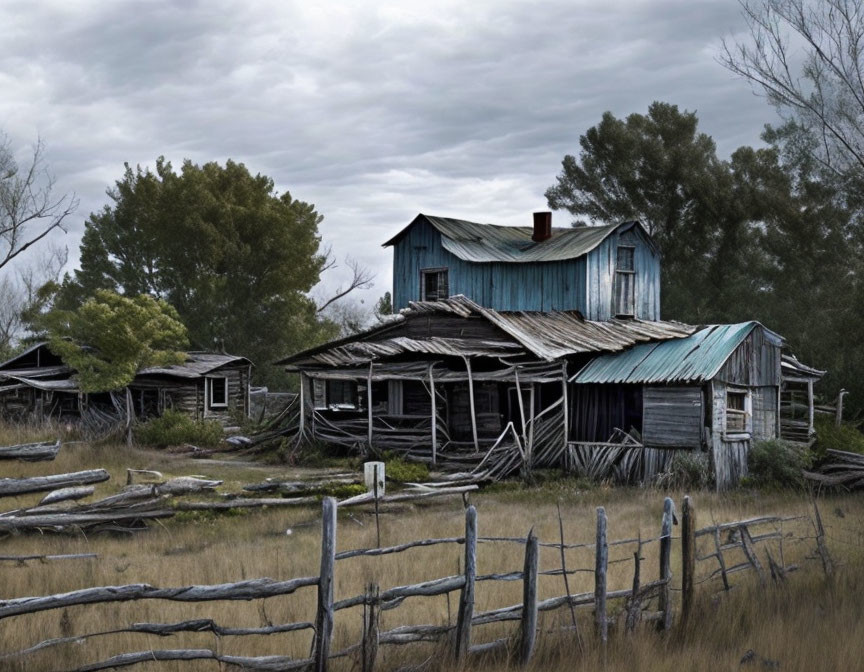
{"x": 466, "y": 598}
{"x": 434, "y": 417}
{"x": 688, "y": 558}
{"x": 369, "y": 406}
{"x": 302, "y": 403}
{"x": 665, "y": 568}
{"x": 564, "y": 396}
{"x": 601, "y": 562}
{"x": 324, "y": 615}
{"x": 810, "y": 428}
{"x": 528, "y": 629}
{"x": 471, "y": 400}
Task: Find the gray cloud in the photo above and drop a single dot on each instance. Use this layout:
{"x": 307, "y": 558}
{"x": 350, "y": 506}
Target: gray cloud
{"x": 373, "y": 111}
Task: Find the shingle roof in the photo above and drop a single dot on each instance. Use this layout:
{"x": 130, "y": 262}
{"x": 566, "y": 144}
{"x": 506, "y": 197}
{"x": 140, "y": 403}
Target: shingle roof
{"x": 483, "y": 243}
{"x": 196, "y": 365}
{"x": 696, "y": 358}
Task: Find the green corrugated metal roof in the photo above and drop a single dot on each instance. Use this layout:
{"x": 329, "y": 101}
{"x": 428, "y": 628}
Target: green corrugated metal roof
{"x": 475, "y": 242}
{"x": 696, "y": 358}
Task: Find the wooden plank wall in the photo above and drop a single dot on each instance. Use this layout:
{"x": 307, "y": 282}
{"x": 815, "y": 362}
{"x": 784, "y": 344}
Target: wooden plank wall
{"x": 672, "y": 417}
{"x": 558, "y": 285}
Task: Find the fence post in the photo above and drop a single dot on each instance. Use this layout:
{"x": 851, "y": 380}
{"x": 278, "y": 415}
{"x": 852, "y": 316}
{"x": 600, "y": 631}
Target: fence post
{"x": 688, "y": 558}
{"x": 370, "y": 628}
{"x": 601, "y": 562}
{"x": 324, "y": 615}
{"x": 529, "y": 599}
{"x": 665, "y": 557}
{"x": 466, "y": 598}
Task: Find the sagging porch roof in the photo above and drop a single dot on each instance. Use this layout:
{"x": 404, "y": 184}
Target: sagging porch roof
{"x": 544, "y": 335}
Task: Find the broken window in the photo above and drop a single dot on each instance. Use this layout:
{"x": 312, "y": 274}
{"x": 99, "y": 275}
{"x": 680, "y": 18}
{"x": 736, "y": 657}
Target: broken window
{"x": 737, "y": 412}
{"x": 625, "y": 282}
{"x": 434, "y": 284}
{"x": 217, "y": 392}
{"x": 342, "y": 393}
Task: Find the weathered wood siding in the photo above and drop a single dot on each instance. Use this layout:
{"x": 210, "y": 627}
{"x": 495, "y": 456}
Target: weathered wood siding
{"x": 756, "y": 362}
{"x": 672, "y": 417}
{"x": 601, "y": 263}
{"x": 764, "y": 413}
{"x": 558, "y": 285}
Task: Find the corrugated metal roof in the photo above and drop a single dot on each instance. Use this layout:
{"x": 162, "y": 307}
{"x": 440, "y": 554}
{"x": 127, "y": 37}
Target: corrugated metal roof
{"x": 696, "y": 358}
{"x": 546, "y": 335}
{"x": 197, "y": 364}
{"x": 483, "y": 243}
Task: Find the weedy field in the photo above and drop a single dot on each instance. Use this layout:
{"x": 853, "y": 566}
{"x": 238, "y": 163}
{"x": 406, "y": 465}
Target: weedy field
{"x": 807, "y": 623}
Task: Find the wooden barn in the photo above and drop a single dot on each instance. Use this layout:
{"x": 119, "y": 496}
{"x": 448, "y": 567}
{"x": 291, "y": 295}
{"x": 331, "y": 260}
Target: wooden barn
{"x": 36, "y": 383}
{"x": 522, "y": 347}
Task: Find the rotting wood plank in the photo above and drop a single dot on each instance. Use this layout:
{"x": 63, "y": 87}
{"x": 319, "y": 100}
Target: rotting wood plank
{"x": 31, "y": 452}
{"x": 11, "y": 487}
{"x": 528, "y": 626}
{"x": 601, "y": 562}
{"x": 665, "y": 559}
{"x": 465, "y": 615}
{"x": 324, "y": 615}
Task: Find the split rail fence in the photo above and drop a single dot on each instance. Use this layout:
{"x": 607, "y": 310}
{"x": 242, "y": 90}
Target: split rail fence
{"x": 651, "y": 601}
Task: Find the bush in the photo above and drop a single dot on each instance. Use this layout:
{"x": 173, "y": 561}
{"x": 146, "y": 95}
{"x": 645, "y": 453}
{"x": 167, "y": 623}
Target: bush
{"x": 777, "y": 464}
{"x": 831, "y": 437}
{"x": 689, "y": 470}
{"x": 400, "y": 471}
{"x": 174, "y": 428}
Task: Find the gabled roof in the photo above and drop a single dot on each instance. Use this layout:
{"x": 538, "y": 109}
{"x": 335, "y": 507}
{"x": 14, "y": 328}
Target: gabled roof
{"x": 545, "y": 335}
{"x": 697, "y": 358}
{"x": 482, "y": 243}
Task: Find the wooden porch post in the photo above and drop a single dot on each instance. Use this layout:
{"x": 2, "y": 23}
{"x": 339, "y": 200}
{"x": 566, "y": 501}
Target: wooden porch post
{"x": 471, "y": 400}
{"x": 564, "y": 397}
{"x": 434, "y": 417}
{"x": 369, "y": 404}
{"x": 302, "y": 403}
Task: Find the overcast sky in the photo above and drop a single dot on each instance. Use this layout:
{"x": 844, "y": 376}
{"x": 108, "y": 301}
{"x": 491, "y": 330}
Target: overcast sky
{"x": 374, "y": 111}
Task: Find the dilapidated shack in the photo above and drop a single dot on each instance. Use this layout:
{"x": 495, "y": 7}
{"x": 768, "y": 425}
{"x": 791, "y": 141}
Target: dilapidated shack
{"x": 37, "y": 384}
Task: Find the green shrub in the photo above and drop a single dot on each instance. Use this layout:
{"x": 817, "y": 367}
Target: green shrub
{"x": 830, "y": 437}
{"x": 777, "y": 464}
{"x": 174, "y": 428}
{"x": 343, "y": 491}
{"x": 688, "y": 470}
{"x": 400, "y": 471}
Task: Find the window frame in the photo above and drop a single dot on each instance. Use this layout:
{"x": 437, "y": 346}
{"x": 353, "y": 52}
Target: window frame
{"x": 209, "y": 387}
{"x": 437, "y": 270}
{"x": 627, "y": 271}
{"x": 747, "y": 413}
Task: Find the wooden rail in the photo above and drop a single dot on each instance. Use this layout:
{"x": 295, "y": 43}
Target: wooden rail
{"x": 646, "y": 602}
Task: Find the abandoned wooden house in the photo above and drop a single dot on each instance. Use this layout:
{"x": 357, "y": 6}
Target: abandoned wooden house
{"x": 36, "y": 383}
{"x": 521, "y": 347}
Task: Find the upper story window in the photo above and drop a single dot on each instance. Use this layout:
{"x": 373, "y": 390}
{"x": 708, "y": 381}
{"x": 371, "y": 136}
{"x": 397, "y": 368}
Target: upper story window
{"x": 217, "y": 392}
{"x": 625, "y": 282}
{"x": 434, "y": 284}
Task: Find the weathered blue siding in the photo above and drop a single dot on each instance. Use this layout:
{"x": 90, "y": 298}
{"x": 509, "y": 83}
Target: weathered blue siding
{"x": 556, "y": 285}
{"x": 601, "y": 276}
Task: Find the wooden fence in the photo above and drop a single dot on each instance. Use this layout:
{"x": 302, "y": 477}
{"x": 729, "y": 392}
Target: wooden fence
{"x": 652, "y": 601}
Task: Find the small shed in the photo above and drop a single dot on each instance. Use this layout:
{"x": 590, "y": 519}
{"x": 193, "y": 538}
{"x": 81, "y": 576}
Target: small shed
{"x": 717, "y": 390}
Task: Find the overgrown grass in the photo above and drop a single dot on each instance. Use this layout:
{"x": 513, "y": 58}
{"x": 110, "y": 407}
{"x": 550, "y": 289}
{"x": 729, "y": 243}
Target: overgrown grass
{"x": 777, "y": 464}
{"x": 805, "y": 625}
{"x": 174, "y": 428}
{"x": 830, "y": 437}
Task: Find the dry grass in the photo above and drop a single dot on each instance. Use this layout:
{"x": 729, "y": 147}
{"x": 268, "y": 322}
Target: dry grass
{"x": 804, "y": 625}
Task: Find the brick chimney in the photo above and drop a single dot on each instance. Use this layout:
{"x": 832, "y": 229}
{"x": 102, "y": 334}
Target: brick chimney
{"x": 542, "y": 226}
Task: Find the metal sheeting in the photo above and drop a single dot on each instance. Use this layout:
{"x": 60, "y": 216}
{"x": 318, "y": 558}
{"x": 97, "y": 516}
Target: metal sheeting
{"x": 696, "y": 358}
{"x": 365, "y": 351}
{"x": 37, "y": 372}
{"x": 792, "y": 368}
{"x": 483, "y": 243}
{"x": 64, "y": 385}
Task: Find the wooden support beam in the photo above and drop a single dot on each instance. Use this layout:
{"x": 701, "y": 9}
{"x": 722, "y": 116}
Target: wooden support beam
{"x": 601, "y": 563}
{"x": 564, "y": 397}
{"x": 688, "y": 558}
{"x": 665, "y": 558}
{"x": 369, "y": 407}
{"x": 466, "y": 598}
{"x": 434, "y": 417}
{"x": 810, "y": 427}
{"x": 303, "y": 380}
{"x": 371, "y": 611}
{"x": 528, "y": 623}
{"x": 471, "y": 400}
{"x": 324, "y": 615}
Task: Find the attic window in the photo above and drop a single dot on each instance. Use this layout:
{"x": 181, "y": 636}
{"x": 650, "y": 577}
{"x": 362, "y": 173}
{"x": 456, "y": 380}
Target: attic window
{"x": 625, "y": 282}
{"x": 737, "y": 412}
{"x": 434, "y": 284}
{"x": 217, "y": 392}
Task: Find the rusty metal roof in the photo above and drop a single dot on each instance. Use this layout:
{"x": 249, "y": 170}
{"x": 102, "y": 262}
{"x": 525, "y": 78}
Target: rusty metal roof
{"x": 545, "y": 335}
{"x": 483, "y": 243}
{"x": 696, "y": 358}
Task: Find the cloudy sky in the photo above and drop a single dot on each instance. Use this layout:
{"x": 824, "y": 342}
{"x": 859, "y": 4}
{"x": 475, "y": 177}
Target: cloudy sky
{"x": 374, "y": 111}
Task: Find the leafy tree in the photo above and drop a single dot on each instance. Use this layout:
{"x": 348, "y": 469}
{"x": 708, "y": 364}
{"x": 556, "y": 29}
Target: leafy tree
{"x": 658, "y": 168}
{"x": 230, "y": 254}
{"x": 110, "y": 337}
{"x": 384, "y": 306}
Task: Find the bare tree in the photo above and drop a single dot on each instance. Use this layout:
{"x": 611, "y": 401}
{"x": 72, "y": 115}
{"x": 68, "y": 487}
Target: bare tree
{"x": 361, "y": 278}
{"x": 807, "y": 57}
{"x": 29, "y": 210}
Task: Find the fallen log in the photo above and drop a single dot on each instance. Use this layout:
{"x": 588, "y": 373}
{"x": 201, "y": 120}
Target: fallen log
{"x": 23, "y": 559}
{"x": 261, "y": 664}
{"x": 11, "y": 487}
{"x": 184, "y": 485}
{"x": 31, "y": 452}
{"x": 61, "y": 521}
{"x": 243, "y": 503}
{"x": 67, "y": 494}
{"x": 252, "y": 589}
{"x": 369, "y": 497}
